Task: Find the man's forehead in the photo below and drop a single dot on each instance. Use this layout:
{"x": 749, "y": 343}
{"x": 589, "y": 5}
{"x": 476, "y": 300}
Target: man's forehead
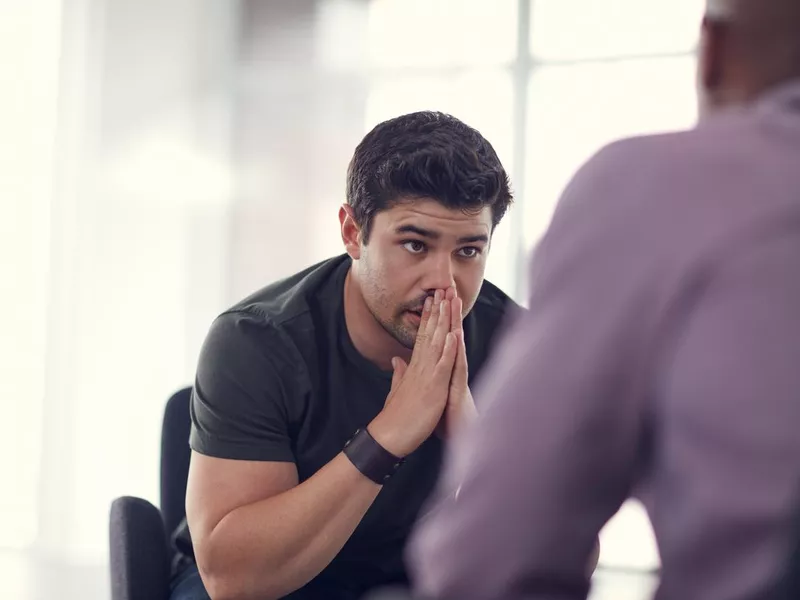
{"x": 435, "y": 214}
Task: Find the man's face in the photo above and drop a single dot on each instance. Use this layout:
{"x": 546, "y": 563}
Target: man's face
{"x": 707, "y": 69}
{"x": 714, "y": 88}
{"x": 415, "y": 248}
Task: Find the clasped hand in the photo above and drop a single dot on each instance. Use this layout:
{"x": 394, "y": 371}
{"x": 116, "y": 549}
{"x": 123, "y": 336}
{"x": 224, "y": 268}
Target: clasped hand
{"x": 431, "y": 392}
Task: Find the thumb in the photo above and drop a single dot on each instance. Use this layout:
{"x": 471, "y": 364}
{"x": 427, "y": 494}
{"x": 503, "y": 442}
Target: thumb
{"x": 399, "y": 366}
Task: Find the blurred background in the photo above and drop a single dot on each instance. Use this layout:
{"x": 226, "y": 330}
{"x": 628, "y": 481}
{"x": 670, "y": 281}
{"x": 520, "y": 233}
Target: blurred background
{"x": 160, "y": 159}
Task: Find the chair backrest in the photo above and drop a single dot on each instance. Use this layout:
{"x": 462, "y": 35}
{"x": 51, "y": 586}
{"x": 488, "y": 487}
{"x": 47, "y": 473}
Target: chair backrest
{"x": 175, "y": 455}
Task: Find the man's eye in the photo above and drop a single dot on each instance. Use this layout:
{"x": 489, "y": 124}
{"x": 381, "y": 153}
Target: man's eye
{"x": 469, "y": 252}
{"x": 414, "y": 246}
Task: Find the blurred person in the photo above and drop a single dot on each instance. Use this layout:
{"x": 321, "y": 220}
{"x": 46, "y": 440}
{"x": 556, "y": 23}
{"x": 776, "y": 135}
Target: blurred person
{"x": 660, "y": 356}
{"x": 316, "y": 399}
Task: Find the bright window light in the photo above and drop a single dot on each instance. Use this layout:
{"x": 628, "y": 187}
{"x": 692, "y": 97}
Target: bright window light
{"x": 569, "y": 30}
{"x": 441, "y": 33}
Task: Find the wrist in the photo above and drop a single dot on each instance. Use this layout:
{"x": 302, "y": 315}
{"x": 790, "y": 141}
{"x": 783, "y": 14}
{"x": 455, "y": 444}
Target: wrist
{"x": 385, "y": 435}
{"x": 369, "y": 457}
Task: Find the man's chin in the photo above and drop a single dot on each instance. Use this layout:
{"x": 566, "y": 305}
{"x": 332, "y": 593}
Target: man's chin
{"x": 402, "y": 332}
{"x": 406, "y": 337}
{"x": 408, "y": 340}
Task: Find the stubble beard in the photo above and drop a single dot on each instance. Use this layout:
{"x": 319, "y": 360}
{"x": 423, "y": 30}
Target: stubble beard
{"x": 402, "y": 333}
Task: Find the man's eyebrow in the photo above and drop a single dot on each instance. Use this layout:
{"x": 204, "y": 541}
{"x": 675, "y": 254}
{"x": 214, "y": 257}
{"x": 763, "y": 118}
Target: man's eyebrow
{"x": 435, "y": 235}
{"x": 471, "y": 239}
{"x": 427, "y": 233}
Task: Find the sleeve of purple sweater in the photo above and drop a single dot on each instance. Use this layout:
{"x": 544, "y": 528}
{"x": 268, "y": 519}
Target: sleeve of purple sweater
{"x": 633, "y": 368}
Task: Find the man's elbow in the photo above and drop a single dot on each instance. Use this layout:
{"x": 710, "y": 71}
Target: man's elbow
{"x": 221, "y": 587}
{"x": 226, "y": 581}
{"x": 234, "y": 586}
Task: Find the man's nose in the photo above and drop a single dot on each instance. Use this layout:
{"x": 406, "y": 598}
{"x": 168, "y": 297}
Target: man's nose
{"x": 440, "y": 275}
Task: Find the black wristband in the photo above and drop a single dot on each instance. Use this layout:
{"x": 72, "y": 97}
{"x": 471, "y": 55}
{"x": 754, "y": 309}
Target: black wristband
{"x": 369, "y": 457}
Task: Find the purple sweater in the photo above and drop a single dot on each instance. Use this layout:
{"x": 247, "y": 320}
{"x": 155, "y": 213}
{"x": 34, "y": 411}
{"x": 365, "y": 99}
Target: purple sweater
{"x": 660, "y": 359}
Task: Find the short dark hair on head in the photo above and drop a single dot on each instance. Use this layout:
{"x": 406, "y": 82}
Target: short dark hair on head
{"x": 425, "y": 155}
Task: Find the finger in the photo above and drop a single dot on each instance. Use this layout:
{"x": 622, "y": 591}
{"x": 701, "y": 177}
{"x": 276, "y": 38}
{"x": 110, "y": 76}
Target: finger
{"x": 450, "y": 293}
{"x": 436, "y": 309}
{"x": 461, "y": 367}
{"x": 442, "y": 328}
{"x": 444, "y": 368}
{"x": 426, "y": 315}
{"x": 399, "y": 366}
{"x": 457, "y": 305}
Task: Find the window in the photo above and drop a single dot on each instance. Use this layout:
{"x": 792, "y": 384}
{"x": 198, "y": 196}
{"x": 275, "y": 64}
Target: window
{"x": 430, "y": 34}
{"x": 575, "y": 110}
{"x": 579, "y": 30}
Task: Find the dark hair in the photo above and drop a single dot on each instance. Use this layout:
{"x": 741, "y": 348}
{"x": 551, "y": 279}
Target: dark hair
{"x": 425, "y": 155}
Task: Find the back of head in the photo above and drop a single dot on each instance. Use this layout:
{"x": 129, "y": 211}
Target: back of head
{"x": 749, "y": 47}
{"x": 427, "y": 155}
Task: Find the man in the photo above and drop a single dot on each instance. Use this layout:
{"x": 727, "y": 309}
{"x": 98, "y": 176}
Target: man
{"x": 660, "y": 355}
{"x": 368, "y": 347}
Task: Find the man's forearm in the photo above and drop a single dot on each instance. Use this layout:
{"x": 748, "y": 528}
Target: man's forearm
{"x": 272, "y": 547}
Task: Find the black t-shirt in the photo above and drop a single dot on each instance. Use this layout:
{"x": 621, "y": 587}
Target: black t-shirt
{"x": 279, "y": 379}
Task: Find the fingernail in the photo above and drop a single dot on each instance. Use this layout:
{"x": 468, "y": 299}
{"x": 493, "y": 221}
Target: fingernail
{"x": 438, "y": 296}
{"x": 394, "y": 363}
{"x": 428, "y": 302}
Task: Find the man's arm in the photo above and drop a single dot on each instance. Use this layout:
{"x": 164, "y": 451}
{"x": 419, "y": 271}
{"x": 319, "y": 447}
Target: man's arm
{"x": 726, "y": 481}
{"x": 258, "y": 534}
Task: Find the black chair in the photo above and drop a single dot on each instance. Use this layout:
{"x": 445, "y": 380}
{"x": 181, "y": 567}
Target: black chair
{"x": 140, "y": 553}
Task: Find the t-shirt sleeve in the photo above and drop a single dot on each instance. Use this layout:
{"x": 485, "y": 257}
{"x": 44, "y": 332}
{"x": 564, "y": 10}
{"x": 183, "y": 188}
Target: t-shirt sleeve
{"x": 240, "y": 397}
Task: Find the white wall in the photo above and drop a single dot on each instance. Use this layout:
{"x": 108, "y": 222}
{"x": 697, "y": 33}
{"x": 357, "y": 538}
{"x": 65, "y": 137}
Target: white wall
{"x": 29, "y": 40}
{"x": 139, "y": 238}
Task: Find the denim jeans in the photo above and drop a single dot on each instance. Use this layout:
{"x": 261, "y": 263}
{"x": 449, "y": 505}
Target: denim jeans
{"x": 188, "y": 585}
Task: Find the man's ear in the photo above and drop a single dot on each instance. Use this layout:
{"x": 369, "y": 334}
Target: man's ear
{"x": 713, "y": 43}
{"x": 351, "y": 232}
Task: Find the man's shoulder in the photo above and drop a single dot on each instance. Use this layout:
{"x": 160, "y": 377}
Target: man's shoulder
{"x": 281, "y": 319}
{"x": 292, "y": 297}
{"x": 492, "y": 307}
{"x": 686, "y": 157}
{"x": 695, "y": 186}
{"x": 493, "y": 300}
{"x": 490, "y": 315}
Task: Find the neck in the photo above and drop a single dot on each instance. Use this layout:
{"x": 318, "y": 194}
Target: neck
{"x": 370, "y": 339}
